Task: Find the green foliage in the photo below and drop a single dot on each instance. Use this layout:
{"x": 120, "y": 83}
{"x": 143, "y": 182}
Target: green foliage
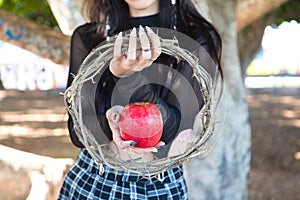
{"x": 287, "y": 12}
{"x": 36, "y": 10}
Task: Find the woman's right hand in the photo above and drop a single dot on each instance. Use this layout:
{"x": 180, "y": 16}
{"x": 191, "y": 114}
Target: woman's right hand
{"x": 113, "y": 116}
{"x": 136, "y": 59}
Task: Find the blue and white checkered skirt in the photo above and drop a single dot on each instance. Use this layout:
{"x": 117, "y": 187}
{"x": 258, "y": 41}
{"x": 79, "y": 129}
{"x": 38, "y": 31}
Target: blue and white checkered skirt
{"x": 83, "y": 181}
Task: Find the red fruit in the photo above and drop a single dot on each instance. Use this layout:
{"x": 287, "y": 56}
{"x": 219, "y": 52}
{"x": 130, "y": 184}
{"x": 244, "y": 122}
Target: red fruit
{"x": 141, "y": 122}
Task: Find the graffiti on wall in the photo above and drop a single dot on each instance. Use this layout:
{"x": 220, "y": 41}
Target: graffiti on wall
{"x": 39, "y": 76}
{"x": 11, "y": 32}
{"x": 23, "y": 70}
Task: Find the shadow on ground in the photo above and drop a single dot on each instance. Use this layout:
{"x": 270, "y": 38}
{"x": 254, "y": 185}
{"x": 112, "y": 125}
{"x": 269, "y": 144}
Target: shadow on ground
{"x": 36, "y": 122}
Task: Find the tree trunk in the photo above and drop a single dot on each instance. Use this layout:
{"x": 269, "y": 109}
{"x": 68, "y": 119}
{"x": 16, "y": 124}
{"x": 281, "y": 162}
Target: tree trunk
{"x": 249, "y": 41}
{"x": 28, "y": 35}
{"x": 250, "y": 36}
{"x": 55, "y": 46}
{"x": 248, "y": 11}
{"x": 251, "y": 10}
{"x": 67, "y": 14}
{"x": 26, "y": 175}
{"x": 223, "y": 173}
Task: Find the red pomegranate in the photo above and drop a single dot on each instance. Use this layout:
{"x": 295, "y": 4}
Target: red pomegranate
{"x": 141, "y": 122}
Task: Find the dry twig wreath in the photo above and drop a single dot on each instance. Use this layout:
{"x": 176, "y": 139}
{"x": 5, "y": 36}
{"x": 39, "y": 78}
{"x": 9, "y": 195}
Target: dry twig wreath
{"x": 204, "y": 123}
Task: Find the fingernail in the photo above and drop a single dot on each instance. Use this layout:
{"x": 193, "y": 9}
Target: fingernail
{"x": 119, "y": 37}
{"x": 108, "y": 114}
{"x": 161, "y": 147}
{"x": 120, "y": 34}
{"x": 133, "y": 32}
{"x": 149, "y": 30}
{"x": 141, "y": 28}
{"x": 115, "y": 117}
{"x": 133, "y": 144}
{"x": 154, "y": 150}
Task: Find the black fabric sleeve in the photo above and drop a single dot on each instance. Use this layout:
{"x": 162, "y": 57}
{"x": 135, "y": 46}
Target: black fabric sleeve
{"x": 78, "y": 53}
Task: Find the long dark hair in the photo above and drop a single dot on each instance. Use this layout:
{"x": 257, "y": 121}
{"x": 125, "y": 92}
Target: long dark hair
{"x": 116, "y": 13}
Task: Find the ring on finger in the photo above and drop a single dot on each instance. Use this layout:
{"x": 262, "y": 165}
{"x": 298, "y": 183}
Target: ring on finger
{"x": 146, "y": 49}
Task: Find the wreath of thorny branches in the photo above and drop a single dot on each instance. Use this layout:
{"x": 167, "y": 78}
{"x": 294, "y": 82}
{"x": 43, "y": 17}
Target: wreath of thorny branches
{"x": 204, "y": 124}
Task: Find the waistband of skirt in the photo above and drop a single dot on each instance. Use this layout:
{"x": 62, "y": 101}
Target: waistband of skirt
{"x": 87, "y": 162}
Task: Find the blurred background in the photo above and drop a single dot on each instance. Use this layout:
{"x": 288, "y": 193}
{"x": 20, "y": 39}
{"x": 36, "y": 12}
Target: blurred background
{"x": 35, "y": 149}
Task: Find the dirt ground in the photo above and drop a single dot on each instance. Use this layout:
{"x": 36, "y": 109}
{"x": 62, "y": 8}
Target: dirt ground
{"x": 275, "y": 165}
{"x": 36, "y": 122}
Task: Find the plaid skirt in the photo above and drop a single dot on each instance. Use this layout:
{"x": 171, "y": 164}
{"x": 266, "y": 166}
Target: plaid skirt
{"x": 83, "y": 181}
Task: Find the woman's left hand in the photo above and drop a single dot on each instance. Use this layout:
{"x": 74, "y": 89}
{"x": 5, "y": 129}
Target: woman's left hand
{"x": 135, "y": 59}
{"x": 113, "y": 116}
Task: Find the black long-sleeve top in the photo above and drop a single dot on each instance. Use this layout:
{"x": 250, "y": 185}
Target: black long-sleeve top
{"x": 85, "y": 38}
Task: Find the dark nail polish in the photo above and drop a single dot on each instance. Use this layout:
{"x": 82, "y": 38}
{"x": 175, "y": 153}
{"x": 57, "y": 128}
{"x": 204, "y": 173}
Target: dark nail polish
{"x": 161, "y": 147}
{"x": 114, "y": 116}
{"x": 133, "y": 144}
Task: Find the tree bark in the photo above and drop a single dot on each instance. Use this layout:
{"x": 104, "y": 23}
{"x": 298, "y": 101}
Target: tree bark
{"x": 251, "y": 10}
{"x": 29, "y": 175}
{"x": 67, "y": 14}
{"x": 248, "y": 11}
{"x": 222, "y": 175}
{"x": 40, "y": 40}
{"x": 249, "y": 38}
{"x": 55, "y": 46}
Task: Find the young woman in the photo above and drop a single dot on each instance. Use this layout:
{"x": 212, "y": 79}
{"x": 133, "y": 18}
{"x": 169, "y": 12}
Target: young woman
{"x": 84, "y": 180}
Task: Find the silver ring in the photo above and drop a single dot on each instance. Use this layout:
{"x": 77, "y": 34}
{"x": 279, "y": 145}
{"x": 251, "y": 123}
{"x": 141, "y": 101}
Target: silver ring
{"x": 147, "y": 49}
